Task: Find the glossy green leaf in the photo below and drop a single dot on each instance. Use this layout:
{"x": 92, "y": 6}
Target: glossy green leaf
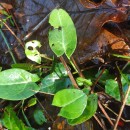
{"x": 39, "y": 117}
{"x": 112, "y": 88}
{"x": 12, "y": 122}
{"x": 32, "y": 102}
{"x": 55, "y": 81}
{"x": 52, "y": 84}
{"x": 72, "y": 101}
{"x": 31, "y": 51}
{"x": 63, "y": 38}
{"x": 88, "y": 112}
{"x": 17, "y": 84}
{"x": 60, "y": 70}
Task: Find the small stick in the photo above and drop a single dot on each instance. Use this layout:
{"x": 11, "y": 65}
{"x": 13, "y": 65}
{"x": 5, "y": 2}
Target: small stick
{"x": 99, "y": 122}
{"x": 69, "y": 73}
{"x": 21, "y": 43}
{"x": 122, "y": 108}
{"x": 118, "y": 75}
{"x": 93, "y": 86}
{"x": 104, "y": 112}
{"x": 44, "y": 109}
{"x": 115, "y": 113}
{"x": 77, "y": 67}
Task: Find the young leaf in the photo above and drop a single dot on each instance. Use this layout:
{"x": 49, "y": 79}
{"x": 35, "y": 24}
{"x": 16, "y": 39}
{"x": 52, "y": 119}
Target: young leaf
{"x": 72, "y": 101}
{"x": 39, "y": 117}
{"x": 112, "y": 88}
{"x": 17, "y": 84}
{"x": 12, "y": 122}
{"x": 32, "y": 102}
{"x": 83, "y": 81}
{"x": 88, "y": 112}
{"x": 63, "y": 38}
{"x": 31, "y": 51}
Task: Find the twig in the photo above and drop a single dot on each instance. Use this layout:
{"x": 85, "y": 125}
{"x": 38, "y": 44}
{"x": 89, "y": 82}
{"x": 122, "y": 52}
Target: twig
{"x": 99, "y": 122}
{"x": 44, "y": 109}
{"x": 122, "y": 108}
{"x": 21, "y": 43}
{"x": 93, "y": 86}
{"x": 77, "y": 67}
{"x": 118, "y": 75}
{"x": 14, "y": 21}
{"x": 69, "y": 73}
{"x": 104, "y": 112}
{"x": 115, "y": 113}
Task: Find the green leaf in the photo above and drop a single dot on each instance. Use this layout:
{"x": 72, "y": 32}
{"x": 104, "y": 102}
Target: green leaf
{"x": 63, "y": 38}
{"x": 83, "y": 81}
{"x": 88, "y": 112}
{"x": 121, "y": 56}
{"x": 12, "y": 122}
{"x": 60, "y": 70}
{"x": 112, "y": 88}
{"x": 39, "y": 117}
{"x": 32, "y": 102}
{"x": 72, "y": 101}
{"x": 55, "y": 81}
{"x": 17, "y": 84}
{"x": 52, "y": 84}
{"x": 31, "y": 51}
{"x": 25, "y": 66}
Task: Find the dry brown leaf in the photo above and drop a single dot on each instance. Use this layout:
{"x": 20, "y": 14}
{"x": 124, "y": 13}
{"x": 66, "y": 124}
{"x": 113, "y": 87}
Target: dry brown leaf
{"x": 106, "y": 43}
{"x": 5, "y": 6}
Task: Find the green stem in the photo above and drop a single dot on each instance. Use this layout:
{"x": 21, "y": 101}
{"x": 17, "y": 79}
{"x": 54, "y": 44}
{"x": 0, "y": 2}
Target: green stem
{"x": 26, "y": 119}
{"x": 5, "y": 40}
{"x": 72, "y": 64}
{"x": 44, "y": 56}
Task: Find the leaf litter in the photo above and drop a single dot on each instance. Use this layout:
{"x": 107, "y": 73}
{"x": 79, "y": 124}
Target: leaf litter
{"x": 93, "y": 22}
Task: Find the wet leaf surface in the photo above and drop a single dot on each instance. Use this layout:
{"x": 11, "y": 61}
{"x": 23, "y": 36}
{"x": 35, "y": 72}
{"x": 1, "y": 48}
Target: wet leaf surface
{"x": 90, "y": 18}
{"x": 88, "y": 22}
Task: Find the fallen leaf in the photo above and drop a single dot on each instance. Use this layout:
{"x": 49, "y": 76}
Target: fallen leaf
{"x": 5, "y": 6}
{"x": 106, "y": 43}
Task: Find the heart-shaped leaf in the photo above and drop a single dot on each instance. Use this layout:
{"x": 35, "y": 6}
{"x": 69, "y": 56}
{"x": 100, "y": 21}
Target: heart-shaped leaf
{"x": 88, "y": 112}
{"x": 72, "y": 101}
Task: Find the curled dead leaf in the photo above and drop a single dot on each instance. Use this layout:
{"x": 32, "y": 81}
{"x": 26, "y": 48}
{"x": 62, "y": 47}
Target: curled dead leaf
{"x": 106, "y": 43}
